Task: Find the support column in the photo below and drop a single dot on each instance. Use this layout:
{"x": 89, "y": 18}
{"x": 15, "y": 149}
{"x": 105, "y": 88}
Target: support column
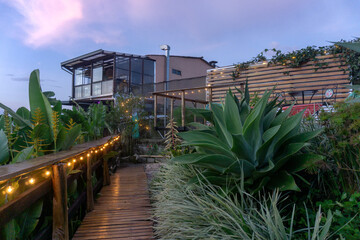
{"x": 155, "y": 110}
{"x": 60, "y": 211}
{"x": 183, "y": 108}
{"x": 171, "y": 109}
{"x": 89, "y": 188}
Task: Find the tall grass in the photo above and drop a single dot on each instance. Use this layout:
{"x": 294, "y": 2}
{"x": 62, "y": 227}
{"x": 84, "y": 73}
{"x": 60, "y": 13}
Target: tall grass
{"x": 203, "y": 211}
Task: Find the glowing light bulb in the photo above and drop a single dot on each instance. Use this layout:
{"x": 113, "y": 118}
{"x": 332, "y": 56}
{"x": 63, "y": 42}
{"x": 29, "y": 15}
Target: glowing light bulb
{"x": 92, "y": 152}
{"x": 81, "y": 158}
{"x": 293, "y": 57}
{"x": 69, "y": 164}
{"x": 96, "y": 151}
{"x": 31, "y": 180}
{"x": 74, "y": 160}
{"x": 9, "y": 189}
{"x": 47, "y": 173}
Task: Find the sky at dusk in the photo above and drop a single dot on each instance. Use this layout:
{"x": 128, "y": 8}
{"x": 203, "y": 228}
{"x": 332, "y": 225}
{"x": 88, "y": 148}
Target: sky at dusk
{"x": 43, "y": 33}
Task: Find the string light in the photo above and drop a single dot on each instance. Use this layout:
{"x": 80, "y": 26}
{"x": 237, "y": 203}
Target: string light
{"x": 47, "y": 173}
{"x": 88, "y": 155}
{"x": 293, "y": 57}
{"x": 81, "y": 158}
{"x": 9, "y": 189}
{"x": 74, "y": 160}
{"x": 96, "y": 151}
{"x": 69, "y": 164}
{"x": 31, "y": 180}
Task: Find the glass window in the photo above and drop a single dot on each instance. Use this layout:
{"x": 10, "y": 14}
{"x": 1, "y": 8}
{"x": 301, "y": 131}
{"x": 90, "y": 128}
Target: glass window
{"x": 176, "y": 72}
{"x": 78, "y": 92}
{"x": 78, "y": 77}
{"x": 136, "y": 71}
{"x": 87, "y": 76}
{"x": 97, "y": 74}
{"x": 108, "y": 73}
{"x": 96, "y": 89}
{"x": 149, "y": 68}
{"x": 122, "y": 68}
{"x": 86, "y": 91}
{"x": 107, "y": 87}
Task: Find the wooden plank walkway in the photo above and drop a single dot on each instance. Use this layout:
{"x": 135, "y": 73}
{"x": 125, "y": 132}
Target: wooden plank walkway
{"x": 123, "y": 209}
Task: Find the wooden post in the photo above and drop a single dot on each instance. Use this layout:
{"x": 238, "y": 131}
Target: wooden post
{"x": 210, "y": 97}
{"x": 60, "y": 210}
{"x": 89, "y": 188}
{"x": 106, "y": 174}
{"x": 195, "y": 114}
{"x": 183, "y": 108}
{"x": 171, "y": 108}
{"x": 155, "y": 110}
{"x": 204, "y": 118}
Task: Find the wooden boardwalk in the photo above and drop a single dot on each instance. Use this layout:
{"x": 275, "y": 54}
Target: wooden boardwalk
{"x": 123, "y": 209}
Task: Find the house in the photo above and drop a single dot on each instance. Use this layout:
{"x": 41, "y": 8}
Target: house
{"x": 99, "y": 75}
{"x": 185, "y": 71}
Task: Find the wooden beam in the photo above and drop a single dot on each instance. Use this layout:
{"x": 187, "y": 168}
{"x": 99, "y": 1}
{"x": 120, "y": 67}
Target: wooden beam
{"x": 106, "y": 173}
{"x": 195, "y": 114}
{"x": 89, "y": 188}
{"x": 183, "y": 108}
{"x": 21, "y": 202}
{"x": 60, "y": 211}
{"x": 171, "y": 108}
{"x": 17, "y": 169}
{"x": 179, "y": 98}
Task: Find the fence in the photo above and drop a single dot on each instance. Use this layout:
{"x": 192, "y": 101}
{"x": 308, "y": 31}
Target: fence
{"x": 25, "y": 183}
{"x": 306, "y": 84}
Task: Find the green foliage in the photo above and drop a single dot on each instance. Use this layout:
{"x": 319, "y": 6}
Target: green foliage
{"x": 4, "y": 150}
{"x": 208, "y": 212}
{"x": 342, "y": 129}
{"x": 346, "y": 217}
{"x": 258, "y": 147}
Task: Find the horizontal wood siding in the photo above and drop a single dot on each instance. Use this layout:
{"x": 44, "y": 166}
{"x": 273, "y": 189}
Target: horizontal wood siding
{"x": 286, "y": 79}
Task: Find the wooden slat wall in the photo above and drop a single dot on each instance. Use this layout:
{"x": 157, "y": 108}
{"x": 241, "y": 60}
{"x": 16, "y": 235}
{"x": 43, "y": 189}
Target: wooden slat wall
{"x": 286, "y": 79}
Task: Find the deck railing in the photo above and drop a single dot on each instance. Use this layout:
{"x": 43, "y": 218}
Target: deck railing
{"x": 22, "y": 184}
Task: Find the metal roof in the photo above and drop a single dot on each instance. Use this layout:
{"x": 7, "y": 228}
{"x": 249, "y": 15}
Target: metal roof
{"x": 95, "y": 55}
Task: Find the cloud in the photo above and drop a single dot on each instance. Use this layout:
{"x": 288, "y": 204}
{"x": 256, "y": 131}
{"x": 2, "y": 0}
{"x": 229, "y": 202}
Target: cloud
{"x": 45, "y": 21}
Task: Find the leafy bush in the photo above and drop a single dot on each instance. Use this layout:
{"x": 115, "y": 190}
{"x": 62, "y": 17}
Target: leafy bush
{"x": 260, "y": 145}
{"x": 204, "y": 211}
{"x": 342, "y": 129}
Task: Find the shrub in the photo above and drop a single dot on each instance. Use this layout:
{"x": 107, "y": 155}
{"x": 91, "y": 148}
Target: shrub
{"x": 205, "y": 211}
{"x": 259, "y": 145}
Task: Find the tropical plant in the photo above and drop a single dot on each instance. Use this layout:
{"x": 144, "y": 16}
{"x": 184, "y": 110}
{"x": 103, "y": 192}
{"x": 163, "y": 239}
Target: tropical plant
{"x": 259, "y": 146}
{"x": 204, "y": 211}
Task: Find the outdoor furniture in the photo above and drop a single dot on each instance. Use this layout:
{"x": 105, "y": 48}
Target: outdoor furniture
{"x": 295, "y": 94}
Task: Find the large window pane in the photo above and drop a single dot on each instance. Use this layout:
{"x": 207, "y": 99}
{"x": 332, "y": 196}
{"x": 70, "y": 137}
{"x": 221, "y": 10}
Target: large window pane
{"x": 122, "y": 68}
{"x": 108, "y": 73}
{"x": 97, "y": 74}
{"x": 87, "y": 76}
{"x": 107, "y": 87}
{"x": 136, "y": 71}
{"x": 78, "y": 92}
{"x": 96, "y": 89}
{"x": 86, "y": 91}
{"x": 78, "y": 77}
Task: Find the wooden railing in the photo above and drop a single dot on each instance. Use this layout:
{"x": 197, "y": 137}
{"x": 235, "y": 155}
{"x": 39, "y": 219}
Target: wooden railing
{"x": 51, "y": 175}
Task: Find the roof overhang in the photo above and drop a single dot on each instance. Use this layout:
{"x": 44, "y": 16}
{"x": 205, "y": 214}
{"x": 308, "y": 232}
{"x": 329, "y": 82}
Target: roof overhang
{"x": 95, "y": 56}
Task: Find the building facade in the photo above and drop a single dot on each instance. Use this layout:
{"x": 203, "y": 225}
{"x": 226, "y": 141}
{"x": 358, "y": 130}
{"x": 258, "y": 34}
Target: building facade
{"x": 101, "y": 74}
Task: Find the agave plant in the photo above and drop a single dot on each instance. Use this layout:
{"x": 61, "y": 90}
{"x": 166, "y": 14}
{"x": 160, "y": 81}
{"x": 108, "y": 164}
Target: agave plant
{"x": 258, "y": 147}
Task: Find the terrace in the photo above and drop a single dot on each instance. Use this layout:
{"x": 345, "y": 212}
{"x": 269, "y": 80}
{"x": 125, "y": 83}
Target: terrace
{"x": 77, "y": 173}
